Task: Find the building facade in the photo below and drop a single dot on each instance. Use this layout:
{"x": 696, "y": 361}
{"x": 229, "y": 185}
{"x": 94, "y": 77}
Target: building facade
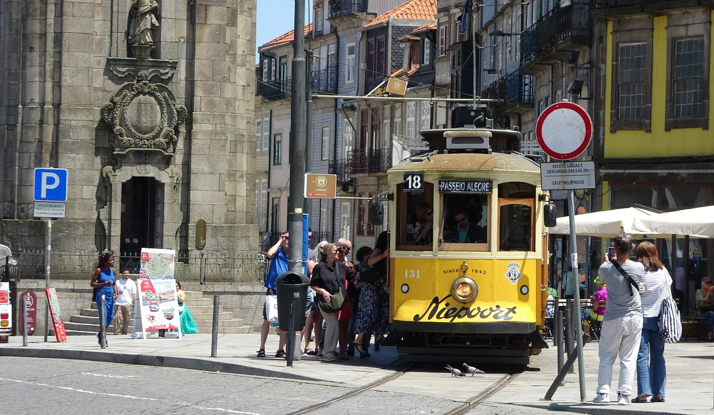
{"x": 153, "y": 121}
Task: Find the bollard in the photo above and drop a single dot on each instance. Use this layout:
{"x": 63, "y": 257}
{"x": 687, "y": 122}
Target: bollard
{"x": 102, "y": 317}
{"x": 201, "y": 271}
{"x": 559, "y": 333}
{"x": 569, "y": 331}
{"x": 291, "y": 335}
{"x": 214, "y": 334}
{"x": 24, "y": 319}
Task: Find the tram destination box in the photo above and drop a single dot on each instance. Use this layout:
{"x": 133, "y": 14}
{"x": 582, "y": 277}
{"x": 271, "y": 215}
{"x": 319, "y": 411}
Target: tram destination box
{"x": 569, "y": 175}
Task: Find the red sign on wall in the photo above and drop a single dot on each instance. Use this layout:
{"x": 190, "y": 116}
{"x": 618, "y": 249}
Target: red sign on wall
{"x": 31, "y": 302}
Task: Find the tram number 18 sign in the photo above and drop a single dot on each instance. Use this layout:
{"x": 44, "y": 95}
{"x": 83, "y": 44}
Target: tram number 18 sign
{"x": 413, "y": 182}
{"x": 564, "y": 130}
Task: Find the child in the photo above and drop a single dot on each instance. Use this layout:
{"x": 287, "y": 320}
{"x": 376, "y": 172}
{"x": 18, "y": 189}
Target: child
{"x": 598, "y": 300}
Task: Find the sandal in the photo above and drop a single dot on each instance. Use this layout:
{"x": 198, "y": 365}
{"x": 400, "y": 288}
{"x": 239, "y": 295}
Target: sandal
{"x": 359, "y": 348}
{"x": 261, "y": 353}
{"x": 280, "y": 353}
{"x": 710, "y": 337}
{"x": 640, "y": 400}
{"x": 312, "y": 352}
{"x": 658, "y": 399}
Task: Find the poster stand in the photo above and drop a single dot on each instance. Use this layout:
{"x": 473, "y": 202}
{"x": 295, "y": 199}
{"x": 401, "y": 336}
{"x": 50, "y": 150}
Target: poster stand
{"x": 157, "y": 307}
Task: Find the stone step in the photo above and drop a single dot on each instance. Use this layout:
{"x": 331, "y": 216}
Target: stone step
{"x": 89, "y": 319}
{"x": 204, "y": 325}
{"x": 195, "y": 311}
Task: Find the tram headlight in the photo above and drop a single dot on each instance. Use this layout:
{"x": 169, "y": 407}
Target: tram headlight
{"x": 464, "y": 290}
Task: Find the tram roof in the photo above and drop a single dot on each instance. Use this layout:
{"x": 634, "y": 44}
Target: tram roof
{"x": 496, "y": 162}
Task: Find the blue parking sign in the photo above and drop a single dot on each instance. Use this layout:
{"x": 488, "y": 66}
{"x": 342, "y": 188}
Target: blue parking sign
{"x": 50, "y": 185}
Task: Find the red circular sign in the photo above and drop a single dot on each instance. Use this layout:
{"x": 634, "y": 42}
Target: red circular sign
{"x": 564, "y": 130}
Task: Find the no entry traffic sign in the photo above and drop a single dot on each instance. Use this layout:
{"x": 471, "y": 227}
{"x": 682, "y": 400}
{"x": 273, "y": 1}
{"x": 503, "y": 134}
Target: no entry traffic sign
{"x": 564, "y": 130}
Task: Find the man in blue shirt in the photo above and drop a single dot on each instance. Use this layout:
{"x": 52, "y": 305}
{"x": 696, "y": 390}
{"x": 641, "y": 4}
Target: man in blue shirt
{"x": 278, "y": 255}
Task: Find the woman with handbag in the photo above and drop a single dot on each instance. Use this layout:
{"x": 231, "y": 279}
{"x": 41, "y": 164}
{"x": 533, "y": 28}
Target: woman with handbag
{"x": 705, "y": 297}
{"x": 328, "y": 281}
{"x": 651, "y": 370}
{"x": 373, "y": 314}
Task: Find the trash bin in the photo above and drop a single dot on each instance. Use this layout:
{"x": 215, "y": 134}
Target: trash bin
{"x": 292, "y": 287}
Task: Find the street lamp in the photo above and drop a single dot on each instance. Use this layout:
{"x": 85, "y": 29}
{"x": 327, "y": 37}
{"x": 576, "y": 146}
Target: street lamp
{"x": 500, "y": 33}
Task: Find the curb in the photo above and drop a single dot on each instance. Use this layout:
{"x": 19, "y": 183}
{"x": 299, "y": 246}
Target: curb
{"x": 594, "y": 409}
{"x": 151, "y": 360}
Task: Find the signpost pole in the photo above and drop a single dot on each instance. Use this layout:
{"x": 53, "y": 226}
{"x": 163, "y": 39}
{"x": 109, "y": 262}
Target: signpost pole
{"x": 48, "y": 251}
{"x": 576, "y": 282}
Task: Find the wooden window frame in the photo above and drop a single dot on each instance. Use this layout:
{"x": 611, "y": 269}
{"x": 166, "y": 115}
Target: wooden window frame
{"x": 516, "y": 201}
{"x": 680, "y": 28}
{"x": 624, "y": 32}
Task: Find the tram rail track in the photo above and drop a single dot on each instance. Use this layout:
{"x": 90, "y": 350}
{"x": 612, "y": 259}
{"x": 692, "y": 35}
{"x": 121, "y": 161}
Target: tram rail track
{"x": 459, "y": 410}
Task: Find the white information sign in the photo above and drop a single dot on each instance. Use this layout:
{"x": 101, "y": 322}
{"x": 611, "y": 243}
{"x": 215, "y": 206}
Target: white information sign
{"x": 158, "y": 306}
{"x": 157, "y": 263}
{"x": 49, "y": 210}
{"x": 569, "y": 175}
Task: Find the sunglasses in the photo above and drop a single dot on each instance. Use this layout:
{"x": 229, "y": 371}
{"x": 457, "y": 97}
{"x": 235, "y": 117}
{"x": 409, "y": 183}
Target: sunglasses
{"x": 344, "y": 250}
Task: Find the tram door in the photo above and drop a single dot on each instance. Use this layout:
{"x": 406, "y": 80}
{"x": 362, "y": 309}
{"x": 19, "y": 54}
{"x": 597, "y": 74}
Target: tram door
{"x": 142, "y": 219}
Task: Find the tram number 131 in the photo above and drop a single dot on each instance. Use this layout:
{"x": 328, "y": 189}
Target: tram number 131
{"x": 413, "y": 182}
{"x": 410, "y": 273}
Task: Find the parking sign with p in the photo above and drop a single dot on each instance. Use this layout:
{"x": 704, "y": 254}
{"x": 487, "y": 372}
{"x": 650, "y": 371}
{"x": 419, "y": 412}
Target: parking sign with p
{"x": 50, "y": 185}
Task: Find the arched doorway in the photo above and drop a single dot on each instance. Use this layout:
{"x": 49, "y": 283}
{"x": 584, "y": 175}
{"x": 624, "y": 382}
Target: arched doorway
{"x": 142, "y": 219}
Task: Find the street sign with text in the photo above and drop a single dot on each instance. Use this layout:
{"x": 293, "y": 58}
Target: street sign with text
{"x": 569, "y": 175}
{"x": 320, "y": 185}
{"x": 50, "y": 192}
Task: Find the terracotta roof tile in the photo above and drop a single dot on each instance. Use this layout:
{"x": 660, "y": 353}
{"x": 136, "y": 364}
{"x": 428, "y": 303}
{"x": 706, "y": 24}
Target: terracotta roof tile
{"x": 411, "y": 10}
{"x": 425, "y": 28}
{"x": 286, "y": 38}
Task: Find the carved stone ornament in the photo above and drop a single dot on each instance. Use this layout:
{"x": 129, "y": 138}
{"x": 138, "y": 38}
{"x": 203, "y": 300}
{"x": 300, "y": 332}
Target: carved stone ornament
{"x": 143, "y": 70}
{"x": 143, "y": 116}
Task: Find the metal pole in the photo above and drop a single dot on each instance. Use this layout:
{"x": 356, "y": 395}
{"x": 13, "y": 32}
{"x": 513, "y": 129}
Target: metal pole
{"x": 23, "y": 298}
{"x": 309, "y": 132}
{"x": 201, "y": 272}
{"x": 561, "y": 375}
{"x": 569, "y": 329}
{"x": 291, "y": 335}
{"x": 473, "y": 57}
{"x": 559, "y": 333}
{"x": 574, "y": 262}
{"x": 102, "y": 332}
{"x": 48, "y": 250}
{"x": 297, "y": 141}
{"x": 214, "y": 333}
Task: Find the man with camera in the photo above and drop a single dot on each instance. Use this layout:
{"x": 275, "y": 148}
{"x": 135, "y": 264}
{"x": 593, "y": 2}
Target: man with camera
{"x": 278, "y": 255}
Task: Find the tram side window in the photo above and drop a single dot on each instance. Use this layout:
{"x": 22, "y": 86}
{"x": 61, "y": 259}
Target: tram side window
{"x": 465, "y": 218}
{"x": 415, "y": 219}
{"x": 516, "y": 201}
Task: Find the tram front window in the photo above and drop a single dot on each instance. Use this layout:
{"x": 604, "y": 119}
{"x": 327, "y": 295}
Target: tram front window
{"x": 415, "y": 220}
{"x": 515, "y": 216}
{"x": 465, "y": 218}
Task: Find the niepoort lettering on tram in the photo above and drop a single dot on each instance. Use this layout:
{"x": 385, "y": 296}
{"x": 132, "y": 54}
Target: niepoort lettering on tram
{"x": 439, "y": 309}
{"x": 465, "y": 186}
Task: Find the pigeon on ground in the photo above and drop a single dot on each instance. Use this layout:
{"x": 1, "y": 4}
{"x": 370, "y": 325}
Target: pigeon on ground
{"x": 471, "y": 369}
{"x": 454, "y": 372}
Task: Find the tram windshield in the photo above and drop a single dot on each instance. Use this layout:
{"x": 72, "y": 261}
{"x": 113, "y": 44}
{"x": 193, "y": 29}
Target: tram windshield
{"x": 516, "y": 221}
{"x": 465, "y": 218}
{"x": 415, "y": 219}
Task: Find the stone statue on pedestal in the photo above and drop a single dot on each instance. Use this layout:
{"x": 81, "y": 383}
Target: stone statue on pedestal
{"x": 140, "y": 27}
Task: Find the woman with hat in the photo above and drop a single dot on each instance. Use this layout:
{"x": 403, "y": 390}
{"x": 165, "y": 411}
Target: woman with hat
{"x": 705, "y": 301}
{"x": 598, "y": 300}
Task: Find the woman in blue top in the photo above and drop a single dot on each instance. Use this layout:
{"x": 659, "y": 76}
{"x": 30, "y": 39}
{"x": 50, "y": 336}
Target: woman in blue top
{"x": 103, "y": 280}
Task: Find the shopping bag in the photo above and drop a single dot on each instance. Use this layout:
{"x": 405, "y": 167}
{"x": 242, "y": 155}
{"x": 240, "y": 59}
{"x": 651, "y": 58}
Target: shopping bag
{"x": 271, "y": 308}
{"x": 670, "y": 325}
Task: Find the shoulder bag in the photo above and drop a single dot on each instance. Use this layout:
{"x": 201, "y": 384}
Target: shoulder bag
{"x": 633, "y": 283}
{"x": 373, "y": 273}
{"x": 670, "y": 324}
{"x": 335, "y": 303}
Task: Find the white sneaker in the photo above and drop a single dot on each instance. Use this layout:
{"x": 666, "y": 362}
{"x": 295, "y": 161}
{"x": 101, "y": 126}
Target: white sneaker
{"x": 623, "y": 399}
{"x": 602, "y": 398}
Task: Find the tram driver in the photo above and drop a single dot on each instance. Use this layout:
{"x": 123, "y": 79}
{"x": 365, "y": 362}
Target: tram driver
{"x": 464, "y": 229}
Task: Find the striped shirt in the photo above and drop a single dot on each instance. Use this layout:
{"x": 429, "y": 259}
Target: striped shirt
{"x": 657, "y": 285}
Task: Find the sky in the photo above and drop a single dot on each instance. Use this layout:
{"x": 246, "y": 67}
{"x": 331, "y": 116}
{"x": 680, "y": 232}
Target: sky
{"x": 276, "y": 17}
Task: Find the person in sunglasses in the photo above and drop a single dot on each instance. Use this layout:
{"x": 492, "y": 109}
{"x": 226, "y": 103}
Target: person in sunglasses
{"x": 466, "y": 231}
{"x": 344, "y": 247}
{"x": 278, "y": 255}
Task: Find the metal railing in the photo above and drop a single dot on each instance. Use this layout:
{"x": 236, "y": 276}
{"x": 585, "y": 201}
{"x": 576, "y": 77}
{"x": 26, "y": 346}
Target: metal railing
{"x": 276, "y": 89}
{"x": 369, "y": 161}
{"x": 217, "y": 267}
{"x": 519, "y": 88}
{"x": 339, "y": 168}
{"x": 337, "y": 8}
{"x": 608, "y": 4}
{"x": 571, "y": 22}
{"x": 324, "y": 80}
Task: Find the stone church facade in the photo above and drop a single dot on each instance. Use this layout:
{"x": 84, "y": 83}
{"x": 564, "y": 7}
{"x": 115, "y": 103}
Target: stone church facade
{"x": 149, "y": 104}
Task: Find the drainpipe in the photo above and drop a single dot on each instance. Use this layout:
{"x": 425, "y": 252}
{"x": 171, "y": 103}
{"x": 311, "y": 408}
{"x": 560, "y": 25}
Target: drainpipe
{"x": 269, "y": 213}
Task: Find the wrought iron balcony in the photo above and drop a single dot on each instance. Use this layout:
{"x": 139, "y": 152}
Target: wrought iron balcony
{"x": 555, "y": 32}
{"x": 369, "y": 161}
{"x": 339, "y": 168}
{"x": 607, "y": 4}
{"x": 519, "y": 88}
{"x": 337, "y": 8}
{"x": 276, "y": 89}
{"x": 324, "y": 80}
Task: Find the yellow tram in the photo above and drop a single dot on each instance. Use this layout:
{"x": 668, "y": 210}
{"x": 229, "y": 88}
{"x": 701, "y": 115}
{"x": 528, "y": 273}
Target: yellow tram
{"x": 470, "y": 283}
